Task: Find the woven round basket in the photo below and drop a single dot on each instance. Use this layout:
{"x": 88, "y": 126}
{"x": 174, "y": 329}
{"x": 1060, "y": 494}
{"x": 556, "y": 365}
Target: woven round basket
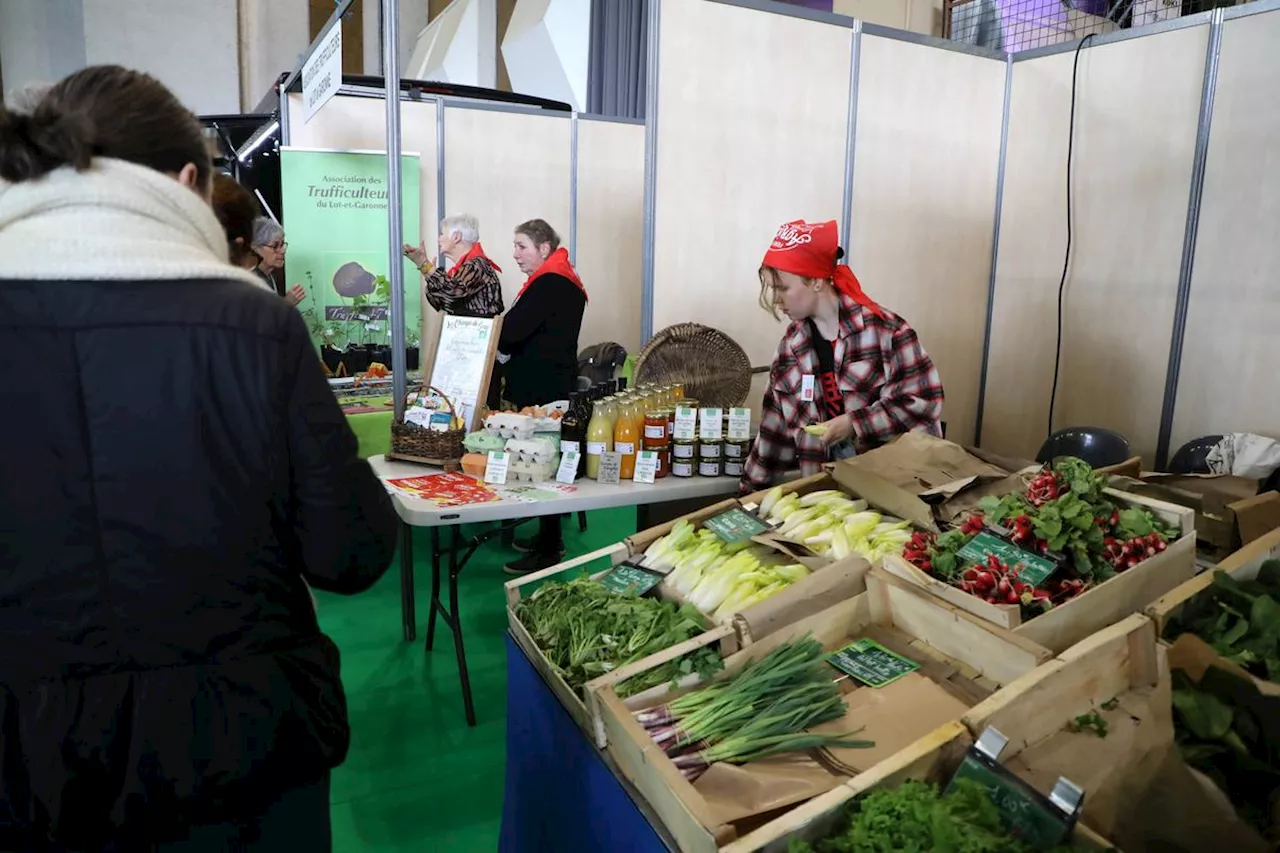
{"x": 712, "y": 367}
{"x": 412, "y": 440}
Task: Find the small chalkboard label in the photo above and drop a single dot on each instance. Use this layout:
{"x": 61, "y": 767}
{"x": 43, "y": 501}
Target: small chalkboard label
{"x": 610, "y": 468}
{"x": 735, "y": 526}
{"x": 871, "y": 663}
{"x": 1025, "y": 812}
{"x": 1031, "y": 568}
{"x": 630, "y": 581}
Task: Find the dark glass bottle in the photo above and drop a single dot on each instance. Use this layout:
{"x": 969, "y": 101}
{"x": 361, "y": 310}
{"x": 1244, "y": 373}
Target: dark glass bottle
{"x": 622, "y": 383}
{"x": 573, "y": 430}
{"x": 586, "y": 408}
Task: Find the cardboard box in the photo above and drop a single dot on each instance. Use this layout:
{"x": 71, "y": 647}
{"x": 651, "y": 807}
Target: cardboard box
{"x": 963, "y": 660}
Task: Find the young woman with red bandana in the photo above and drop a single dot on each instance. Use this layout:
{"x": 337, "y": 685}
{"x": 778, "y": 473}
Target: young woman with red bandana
{"x": 845, "y": 363}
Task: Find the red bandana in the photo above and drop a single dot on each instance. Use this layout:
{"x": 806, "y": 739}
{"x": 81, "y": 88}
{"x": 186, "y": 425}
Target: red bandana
{"x": 809, "y": 249}
{"x": 476, "y": 251}
{"x": 557, "y": 262}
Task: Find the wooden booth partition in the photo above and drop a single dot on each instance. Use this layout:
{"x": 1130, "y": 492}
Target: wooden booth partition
{"x": 926, "y": 162}
{"x": 751, "y": 132}
{"x": 1136, "y": 117}
{"x": 353, "y": 123}
{"x": 610, "y": 234}
{"x": 1234, "y": 308}
{"x": 506, "y": 167}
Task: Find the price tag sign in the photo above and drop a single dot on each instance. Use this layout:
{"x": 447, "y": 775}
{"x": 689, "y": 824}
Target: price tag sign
{"x": 496, "y": 471}
{"x": 570, "y": 447}
{"x": 1031, "y": 568}
{"x": 568, "y": 472}
{"x": 646, "y": 466}
{"x": 686, "y": 426}
{"x": 871, "y": 663}
{"x": 610, "y": 468}
{"x": 1025, "y": 812}
{"x": 712, "y": 425}
{"x": 735, "y": 526}
{"x": 739, "y": 424}
{"x": 630, "y": 581}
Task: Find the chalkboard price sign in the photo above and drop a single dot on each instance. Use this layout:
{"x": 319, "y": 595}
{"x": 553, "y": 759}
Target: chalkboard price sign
{"x": 871, "y": 663}
{"x": 1031, "y": 568}
{"x": 735, "y": 525}
{"x": 630, "y": 581}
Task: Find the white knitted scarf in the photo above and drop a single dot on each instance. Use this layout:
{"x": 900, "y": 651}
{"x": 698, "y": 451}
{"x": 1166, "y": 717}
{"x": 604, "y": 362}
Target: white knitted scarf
{"x": 115, "y": 221}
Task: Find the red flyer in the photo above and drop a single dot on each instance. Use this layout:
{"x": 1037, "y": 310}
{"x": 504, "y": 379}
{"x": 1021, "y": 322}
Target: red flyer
{"x": 445, "y": 489}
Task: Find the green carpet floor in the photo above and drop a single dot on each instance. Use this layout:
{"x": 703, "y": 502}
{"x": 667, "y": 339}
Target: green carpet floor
{"x": 417, "y": 777}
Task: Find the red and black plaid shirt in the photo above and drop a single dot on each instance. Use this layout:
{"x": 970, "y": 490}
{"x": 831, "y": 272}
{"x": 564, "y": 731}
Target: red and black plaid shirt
{"x": 888, "y": 381}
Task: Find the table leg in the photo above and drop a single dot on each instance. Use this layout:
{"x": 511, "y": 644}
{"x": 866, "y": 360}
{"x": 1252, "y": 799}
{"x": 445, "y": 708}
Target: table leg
{"x": 455, "y": 622}
{"x": 407, "y": 605}
{"x": 435, "y": 587}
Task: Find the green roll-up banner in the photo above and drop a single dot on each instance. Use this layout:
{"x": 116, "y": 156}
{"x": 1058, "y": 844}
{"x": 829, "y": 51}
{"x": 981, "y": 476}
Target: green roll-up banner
{"x": 335, "y": 217}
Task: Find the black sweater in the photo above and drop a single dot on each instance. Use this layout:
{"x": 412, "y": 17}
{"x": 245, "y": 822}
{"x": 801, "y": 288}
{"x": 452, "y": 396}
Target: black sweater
{"x": 540, "y": 333}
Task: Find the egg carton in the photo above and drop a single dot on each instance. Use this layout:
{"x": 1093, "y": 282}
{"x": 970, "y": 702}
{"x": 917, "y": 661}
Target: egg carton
{"x": 510, "y": 426}
{"x": 539, "y": 451}
{"x": 484, "y": 442}
{"x": 532, "y": 472}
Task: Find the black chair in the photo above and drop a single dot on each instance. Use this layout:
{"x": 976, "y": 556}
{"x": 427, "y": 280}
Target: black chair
{"x": 1095, "y": 445}
{"x": 1192, "y": 457}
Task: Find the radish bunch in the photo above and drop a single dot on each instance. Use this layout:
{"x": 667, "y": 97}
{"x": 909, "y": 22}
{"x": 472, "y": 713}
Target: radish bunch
{"x": 1044, "y": 487}
{"x": 1129, "y": 553}
{"x": 998, "y": 583}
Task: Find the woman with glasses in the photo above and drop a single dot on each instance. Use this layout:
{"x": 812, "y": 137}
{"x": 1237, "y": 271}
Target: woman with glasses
{"x": 269, "y": 243}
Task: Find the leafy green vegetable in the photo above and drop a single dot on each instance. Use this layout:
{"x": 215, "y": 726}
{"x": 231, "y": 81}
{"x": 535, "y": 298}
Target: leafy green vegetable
{"x": 916, "y": 817}
{"x": 586, "y": 631}
{"x": 1090, "y": 722}
{"x": 1239, "y": 619}
{"x": 1227, "y": 729}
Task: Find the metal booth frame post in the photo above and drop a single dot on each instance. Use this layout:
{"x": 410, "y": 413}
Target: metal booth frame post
{"x": 1208, "y": 94}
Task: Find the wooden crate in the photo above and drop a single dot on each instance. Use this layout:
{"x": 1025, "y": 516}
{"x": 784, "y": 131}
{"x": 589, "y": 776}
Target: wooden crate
{"x": 1242, "y": 565}
{"x": 961, "y": 655}
{"x": 579, "y": 707}
{"x": 1029, "y": 711}
{"x": 1104, "y": 605}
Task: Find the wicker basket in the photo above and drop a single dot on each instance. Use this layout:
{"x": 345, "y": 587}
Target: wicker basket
{"x": 411, "y": 440}
{"x": 712, "y": 367}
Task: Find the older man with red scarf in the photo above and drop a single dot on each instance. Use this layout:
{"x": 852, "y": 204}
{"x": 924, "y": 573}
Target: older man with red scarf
{"x": 845, "y": 365}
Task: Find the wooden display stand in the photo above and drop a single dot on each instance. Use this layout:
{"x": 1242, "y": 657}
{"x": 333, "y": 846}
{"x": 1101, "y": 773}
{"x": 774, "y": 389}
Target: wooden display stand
{"x": 963, "y": 661}
{"x": 1104, "y": 605}
{"x": 1032, "y": 711}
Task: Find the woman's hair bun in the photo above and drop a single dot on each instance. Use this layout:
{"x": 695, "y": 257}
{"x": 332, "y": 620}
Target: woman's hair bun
{"x": 35, "y": 143}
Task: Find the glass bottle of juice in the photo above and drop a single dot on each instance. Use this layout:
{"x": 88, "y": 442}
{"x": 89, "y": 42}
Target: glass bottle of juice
{"x": 599, "y": 435}
{"x": 626, "y": 436}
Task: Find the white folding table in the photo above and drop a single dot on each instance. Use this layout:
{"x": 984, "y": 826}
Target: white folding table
{"x": 588, "y": 495}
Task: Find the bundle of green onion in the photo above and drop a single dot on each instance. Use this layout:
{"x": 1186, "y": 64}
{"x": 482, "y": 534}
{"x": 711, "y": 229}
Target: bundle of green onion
{"x": 764, "y": 710}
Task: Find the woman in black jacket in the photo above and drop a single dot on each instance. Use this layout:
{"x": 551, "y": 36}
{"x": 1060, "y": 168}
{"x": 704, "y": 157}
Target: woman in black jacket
{"x": 539, "y": 349}
{"x": 178, "y": 471}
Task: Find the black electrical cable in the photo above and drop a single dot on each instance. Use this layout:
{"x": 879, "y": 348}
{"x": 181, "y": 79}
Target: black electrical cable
{"x": 1066, "y": 260}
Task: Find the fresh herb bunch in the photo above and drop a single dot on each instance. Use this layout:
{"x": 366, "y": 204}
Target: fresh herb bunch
{"x": 1240, "y": 619}
{"x": 1228, "y": 730}
{"x": 587, "y": 631}
{"x": 915, "y": 816}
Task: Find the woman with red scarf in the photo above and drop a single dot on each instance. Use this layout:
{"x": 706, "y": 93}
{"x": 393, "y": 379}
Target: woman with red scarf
{"x": 538, "y": 347}
{"x": 470, "y": 287}
{"x": 845, "y": 364}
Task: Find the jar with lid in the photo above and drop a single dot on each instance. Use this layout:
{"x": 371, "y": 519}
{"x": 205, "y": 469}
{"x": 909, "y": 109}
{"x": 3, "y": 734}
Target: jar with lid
{"x": 656, "y": 435}
{"x": 682, "y": 467}
{"x": 737, "y": 448}
{"x": 734, "y": 467}
{"x": 709, "y": 467}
